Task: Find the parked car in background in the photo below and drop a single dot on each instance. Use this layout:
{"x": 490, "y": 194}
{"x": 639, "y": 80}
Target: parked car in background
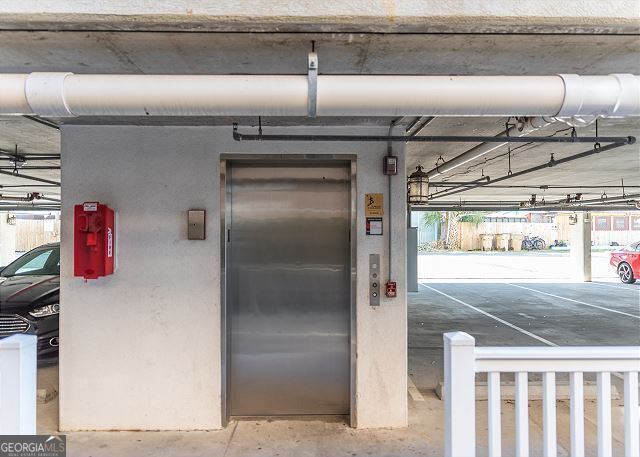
{"x": 29, "y": 298}
{"x": 627, "y": 262}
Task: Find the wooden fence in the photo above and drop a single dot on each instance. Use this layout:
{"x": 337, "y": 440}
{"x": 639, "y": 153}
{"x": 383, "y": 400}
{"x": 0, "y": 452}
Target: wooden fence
{"x": 33, "y": 233}
{"x": 469, "y": 233}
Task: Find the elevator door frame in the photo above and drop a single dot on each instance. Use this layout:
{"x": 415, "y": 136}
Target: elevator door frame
{"x": 349, "y": 160}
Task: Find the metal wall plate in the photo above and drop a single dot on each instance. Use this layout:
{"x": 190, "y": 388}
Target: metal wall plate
{"x": 196, "y": 221}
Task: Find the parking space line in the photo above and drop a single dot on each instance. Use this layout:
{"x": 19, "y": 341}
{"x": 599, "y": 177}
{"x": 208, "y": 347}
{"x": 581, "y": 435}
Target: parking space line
{"x": 502, "y": 321}
{"x": 413, "y": 390}
{"x": 630, "y": 289}
{"x": 575, "y": 301}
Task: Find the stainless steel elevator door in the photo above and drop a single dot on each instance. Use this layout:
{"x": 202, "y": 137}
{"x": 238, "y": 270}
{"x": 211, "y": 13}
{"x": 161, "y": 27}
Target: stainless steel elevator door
{"x": 288, "y": 289}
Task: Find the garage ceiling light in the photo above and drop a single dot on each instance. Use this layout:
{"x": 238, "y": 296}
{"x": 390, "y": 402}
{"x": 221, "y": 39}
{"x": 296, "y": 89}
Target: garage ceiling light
{"x": 418, "y": 187}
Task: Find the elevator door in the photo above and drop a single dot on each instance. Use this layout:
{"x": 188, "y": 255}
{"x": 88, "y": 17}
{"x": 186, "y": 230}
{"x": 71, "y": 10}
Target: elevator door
{"x": 288, "y": 289}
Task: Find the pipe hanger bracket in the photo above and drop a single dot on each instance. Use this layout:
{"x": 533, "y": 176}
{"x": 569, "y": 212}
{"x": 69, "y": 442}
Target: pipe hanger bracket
{"x": 312, "y": 83}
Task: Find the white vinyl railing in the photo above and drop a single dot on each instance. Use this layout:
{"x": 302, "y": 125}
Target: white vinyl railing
{"x": 18, "y": 376}
{"x": 462, "y": 360}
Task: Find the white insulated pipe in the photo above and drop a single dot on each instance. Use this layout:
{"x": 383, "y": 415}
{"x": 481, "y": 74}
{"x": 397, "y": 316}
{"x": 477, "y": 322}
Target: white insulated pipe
{"x": 68, "y": 95}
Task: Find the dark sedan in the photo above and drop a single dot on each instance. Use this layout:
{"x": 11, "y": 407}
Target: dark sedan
{"x": 29, "y": 298}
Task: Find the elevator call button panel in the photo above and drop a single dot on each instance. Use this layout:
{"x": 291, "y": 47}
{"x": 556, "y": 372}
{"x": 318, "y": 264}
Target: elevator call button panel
{"x": 196, "y": 224}
{"x": 374, "y": 279}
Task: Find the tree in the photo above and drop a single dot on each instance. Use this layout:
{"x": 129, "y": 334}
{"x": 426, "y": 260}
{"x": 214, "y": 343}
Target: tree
{"x": 450, "y": 220}
{"x": 476, "y": 218}
{"x": 432, "y": 217}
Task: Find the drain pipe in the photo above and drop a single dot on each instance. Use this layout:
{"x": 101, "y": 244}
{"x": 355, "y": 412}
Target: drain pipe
{"x": 59, "y": 94}
{"x": 523, "y": 127}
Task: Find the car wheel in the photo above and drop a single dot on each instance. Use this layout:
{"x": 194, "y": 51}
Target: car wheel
{"x": 625, "y": 273}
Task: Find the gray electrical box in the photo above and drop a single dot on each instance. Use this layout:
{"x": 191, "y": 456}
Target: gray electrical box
{"x": 196, "y": 220}
{"x": 374, "y": 279}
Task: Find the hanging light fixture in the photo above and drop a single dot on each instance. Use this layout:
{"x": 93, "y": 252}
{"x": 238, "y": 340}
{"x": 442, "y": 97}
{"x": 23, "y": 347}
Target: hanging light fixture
{"x": 418, "y": 187}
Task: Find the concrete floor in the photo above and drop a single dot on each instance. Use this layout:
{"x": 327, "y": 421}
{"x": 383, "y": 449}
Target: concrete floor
{"x": 599, "y": 313}
{"x": 526, "y": 265}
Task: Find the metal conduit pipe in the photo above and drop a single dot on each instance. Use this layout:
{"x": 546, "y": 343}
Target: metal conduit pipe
{"x": 427, "y": 138}
{"x": 17, "y": 186}
{"x": 29, "y": 207}
{"x": 29, "y": 198}
{"x": 524, "y": 127}
{"x": 29, "y": 178}
{"x": 629, "y": 200}
{"x": 28, "y": 157}
{"x": 612, "y": 199}
{"x": 551, "y": 163}
{"x": 30, "y": 167}
{"x": 460, "y": 207}
{"x": 59, "y": 94}
{"x": 526, "y": 186}
{"x": 620, "y": 200}
{"x": 474, "y": 203}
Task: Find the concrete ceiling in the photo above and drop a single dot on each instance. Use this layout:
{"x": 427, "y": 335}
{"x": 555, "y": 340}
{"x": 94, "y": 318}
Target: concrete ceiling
{"x": 346, "y": 53}
{"x": 606, "y": 169}
{"x": 33, "y": 140}
{"x": 339, "y": 53}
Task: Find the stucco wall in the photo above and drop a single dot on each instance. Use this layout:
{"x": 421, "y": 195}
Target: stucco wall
{"x": 141, "y": 349}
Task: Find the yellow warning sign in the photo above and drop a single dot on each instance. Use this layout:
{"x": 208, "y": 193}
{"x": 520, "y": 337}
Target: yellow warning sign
{"x": 373, "y": 205}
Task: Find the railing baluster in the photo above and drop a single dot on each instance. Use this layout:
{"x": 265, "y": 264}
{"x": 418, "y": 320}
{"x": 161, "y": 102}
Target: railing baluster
{"x": 604, "y": 414}
{"x": 460, "y": 395}
{"x": 19, "y": 372}
{"x": 549, "y": 414}
{"x": 494, "y": 402}
{"x": 631, "y": 438}
{"x": 462, "y": 359}
{"x": 522, "y": 415}
{"x": 577, "y": 414}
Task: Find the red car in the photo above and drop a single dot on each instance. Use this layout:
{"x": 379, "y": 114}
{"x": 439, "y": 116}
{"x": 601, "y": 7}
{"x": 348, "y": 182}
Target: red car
{"x": 627, "y": 262}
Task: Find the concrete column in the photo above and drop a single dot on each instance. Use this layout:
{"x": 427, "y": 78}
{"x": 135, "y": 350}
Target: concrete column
{"x": 581, "y": 247}
{"x": 7, "y": 241}
{"x": 412, "y": 255}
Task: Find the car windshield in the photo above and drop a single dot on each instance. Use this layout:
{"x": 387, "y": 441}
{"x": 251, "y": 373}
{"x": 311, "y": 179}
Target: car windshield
{"x": 45, "y": 261}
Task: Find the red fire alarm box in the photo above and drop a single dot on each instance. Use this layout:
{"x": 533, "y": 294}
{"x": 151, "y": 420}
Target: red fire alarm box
{"x": 94, "y": 240}
{"x": 391, "y": 289}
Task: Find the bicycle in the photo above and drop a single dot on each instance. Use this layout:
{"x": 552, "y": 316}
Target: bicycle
{"x": 530, "y": 243}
